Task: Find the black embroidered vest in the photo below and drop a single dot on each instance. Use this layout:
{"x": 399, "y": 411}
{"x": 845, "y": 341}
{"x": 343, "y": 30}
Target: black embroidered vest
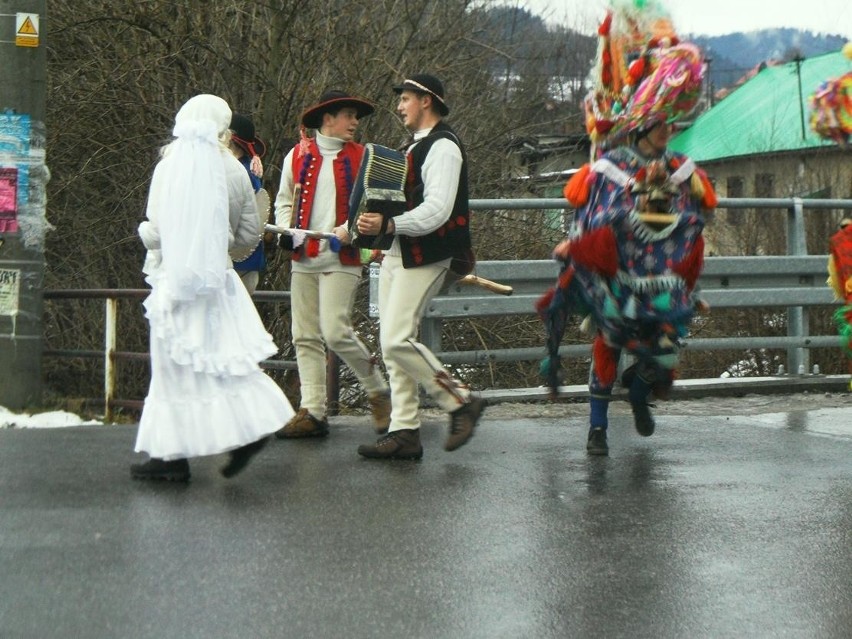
{"x": 453, "y": 238}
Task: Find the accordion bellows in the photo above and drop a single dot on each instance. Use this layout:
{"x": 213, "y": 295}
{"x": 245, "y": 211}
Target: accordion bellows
{"x": 379, "y": 188}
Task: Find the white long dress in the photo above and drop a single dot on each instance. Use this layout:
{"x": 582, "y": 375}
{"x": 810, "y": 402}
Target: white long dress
{"x": 208, "y": 395}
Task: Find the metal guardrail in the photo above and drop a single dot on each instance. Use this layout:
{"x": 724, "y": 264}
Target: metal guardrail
{"x": 795, "y": 282}
{"x": 727, "y": 282}
{"x": 111, "y": 355}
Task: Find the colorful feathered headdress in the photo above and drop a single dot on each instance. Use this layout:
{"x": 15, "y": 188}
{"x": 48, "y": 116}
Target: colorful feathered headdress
{"x": 831, "y": 106}
{"x": 642, "y": 73}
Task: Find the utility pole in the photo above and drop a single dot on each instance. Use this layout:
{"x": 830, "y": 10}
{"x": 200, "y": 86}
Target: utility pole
{"x": 23, "y": 180}
{"x": 798, "y": 60}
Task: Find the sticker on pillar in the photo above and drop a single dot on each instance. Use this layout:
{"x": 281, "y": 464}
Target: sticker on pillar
{"x": 26, "y": 29}
{"x": 8, "y": 200}
{"x": 10, "y": 284}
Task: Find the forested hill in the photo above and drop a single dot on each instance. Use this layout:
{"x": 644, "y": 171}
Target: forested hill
{"x": 734, "y": 54}
{"x": 731, "y": 55}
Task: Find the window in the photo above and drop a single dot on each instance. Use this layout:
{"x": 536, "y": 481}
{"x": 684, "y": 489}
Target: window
{"x": 764, "y": 185}
{"x": 735, "y": 188}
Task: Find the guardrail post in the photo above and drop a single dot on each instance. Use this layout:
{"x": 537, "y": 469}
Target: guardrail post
{"x": 110, "y": 323}
{"x": 430, "y": 334}
{"x": 797, "y": 317}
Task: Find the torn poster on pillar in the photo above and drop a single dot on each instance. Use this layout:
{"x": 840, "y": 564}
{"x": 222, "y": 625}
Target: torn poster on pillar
{"x": 10, "y": 286}
{"x": 15, "y": 133}
{"x": 8, "y": 200}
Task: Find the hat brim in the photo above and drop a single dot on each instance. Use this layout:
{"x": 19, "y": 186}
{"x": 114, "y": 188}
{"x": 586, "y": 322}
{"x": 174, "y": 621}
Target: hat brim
{"x": 312, "y": 117}
{"x": 258, "y": 144}
{"x": 443, "y": 109}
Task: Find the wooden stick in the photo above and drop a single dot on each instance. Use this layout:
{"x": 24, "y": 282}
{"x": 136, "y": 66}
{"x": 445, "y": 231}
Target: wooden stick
{"x": 273, "y": 228}
{"x": 658, "y": 218}
{"x": 489, "y": 285}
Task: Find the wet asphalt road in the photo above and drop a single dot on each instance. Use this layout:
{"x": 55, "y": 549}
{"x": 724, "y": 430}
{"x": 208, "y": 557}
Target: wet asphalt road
{"x": 717, "y": 526}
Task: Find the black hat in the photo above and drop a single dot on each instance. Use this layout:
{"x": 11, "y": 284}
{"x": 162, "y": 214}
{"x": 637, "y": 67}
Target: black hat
{"x": 334, "y": 101}
{"x": 243, "y": 136}
{"x": 427, "y": 85}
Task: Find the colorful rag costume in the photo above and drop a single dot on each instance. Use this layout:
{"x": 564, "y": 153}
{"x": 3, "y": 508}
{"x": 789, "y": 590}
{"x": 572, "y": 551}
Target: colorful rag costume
{"x": 632, "y": 262}
{"x": 831, "y": 106}
{"x": 840, "y": 278}
{"x": 636, "y": 280}
{"x": 831, "y": 109}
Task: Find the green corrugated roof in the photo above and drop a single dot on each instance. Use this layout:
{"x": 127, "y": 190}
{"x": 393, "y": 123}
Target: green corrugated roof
{"x": 763, "y": 115}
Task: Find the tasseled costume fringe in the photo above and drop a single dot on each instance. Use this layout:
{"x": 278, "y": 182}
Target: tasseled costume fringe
{"x": 843, "y": 320}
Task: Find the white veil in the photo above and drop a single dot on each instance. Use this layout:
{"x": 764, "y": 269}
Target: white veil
{"x": 190, "y": 194}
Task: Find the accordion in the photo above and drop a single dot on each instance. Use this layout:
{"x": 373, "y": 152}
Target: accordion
{"x": 379, "y": 188}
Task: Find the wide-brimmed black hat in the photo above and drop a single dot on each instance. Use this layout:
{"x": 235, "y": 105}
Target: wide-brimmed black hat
{"x": 334, "y": 101}
{"x": 428, "y": 85}
{"x": 243, "y": 136}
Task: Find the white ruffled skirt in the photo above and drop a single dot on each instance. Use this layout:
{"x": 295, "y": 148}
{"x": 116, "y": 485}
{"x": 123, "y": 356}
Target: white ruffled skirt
{"x": 208, "y": 395}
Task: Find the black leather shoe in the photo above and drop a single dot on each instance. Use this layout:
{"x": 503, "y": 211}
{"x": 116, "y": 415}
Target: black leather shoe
{"x": 642, "y": 419}
{"x": 174, "y": 470}
{"x": 597, "y": 442}
{"x": 241, "y": 456}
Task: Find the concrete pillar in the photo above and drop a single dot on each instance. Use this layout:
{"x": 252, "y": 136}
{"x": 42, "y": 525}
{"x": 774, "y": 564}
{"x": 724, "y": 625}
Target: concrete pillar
{"x": 23, "y": 180}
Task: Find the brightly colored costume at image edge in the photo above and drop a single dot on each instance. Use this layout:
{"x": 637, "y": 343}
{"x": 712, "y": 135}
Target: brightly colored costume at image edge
{"x": 635, "y": 279}
{"x": 840, "y": 279}
{"x": 831, "y": 119}
{"x": 831, "y": 106}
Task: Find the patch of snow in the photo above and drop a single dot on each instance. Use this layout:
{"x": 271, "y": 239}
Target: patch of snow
{"x": 53, "y": 419}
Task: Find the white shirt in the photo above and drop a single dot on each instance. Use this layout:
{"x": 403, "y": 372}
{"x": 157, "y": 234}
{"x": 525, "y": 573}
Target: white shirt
{"x": 440, "y": 172}
{"x": 324, "y": 209}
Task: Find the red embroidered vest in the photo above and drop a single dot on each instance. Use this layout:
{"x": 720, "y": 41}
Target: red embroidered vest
{"x": 306, "y": 168}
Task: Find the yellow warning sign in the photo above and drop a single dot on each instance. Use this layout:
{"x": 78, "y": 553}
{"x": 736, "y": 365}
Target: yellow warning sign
{"x": 26, "y": 29}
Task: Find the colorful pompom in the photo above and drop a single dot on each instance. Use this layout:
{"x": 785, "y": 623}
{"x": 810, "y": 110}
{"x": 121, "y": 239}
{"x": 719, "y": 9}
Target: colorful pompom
{"x": 603, "y": 29}
{"x": 312, "y": 247}
{"x": 636, "y": 70}
{"x": 576, "y": 190}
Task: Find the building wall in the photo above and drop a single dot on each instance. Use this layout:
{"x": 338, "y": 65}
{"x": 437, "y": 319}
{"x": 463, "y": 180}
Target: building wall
{"x": 824, "y": 173}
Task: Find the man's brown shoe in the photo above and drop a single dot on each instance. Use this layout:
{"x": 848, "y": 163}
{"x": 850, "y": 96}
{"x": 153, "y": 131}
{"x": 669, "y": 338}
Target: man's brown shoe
{"x": 380, "y": 407}
{"x": 399, "y": 444}
{"x": 303, "y": 424}
{"x": 463, "y": 421}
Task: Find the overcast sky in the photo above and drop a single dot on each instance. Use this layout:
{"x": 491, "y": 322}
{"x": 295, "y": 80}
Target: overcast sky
{"x": 711, "y": 17}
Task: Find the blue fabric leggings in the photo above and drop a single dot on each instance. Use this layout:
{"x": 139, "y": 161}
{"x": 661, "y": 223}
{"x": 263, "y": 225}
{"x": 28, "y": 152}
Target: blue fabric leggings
{"x": 600, "y": 393}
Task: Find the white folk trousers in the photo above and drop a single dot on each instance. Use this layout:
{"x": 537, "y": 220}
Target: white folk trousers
{"x": 321, "y": 306}
{"x": 403, "y": 296}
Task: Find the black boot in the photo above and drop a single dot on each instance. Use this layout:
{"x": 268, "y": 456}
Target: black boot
{"x": 640, "y": 390}
{"x": 174, "y": 470}
{"x": 241, "y": 456}
{"x": 596, "y": 445}
{"x": 642, "y": 418}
